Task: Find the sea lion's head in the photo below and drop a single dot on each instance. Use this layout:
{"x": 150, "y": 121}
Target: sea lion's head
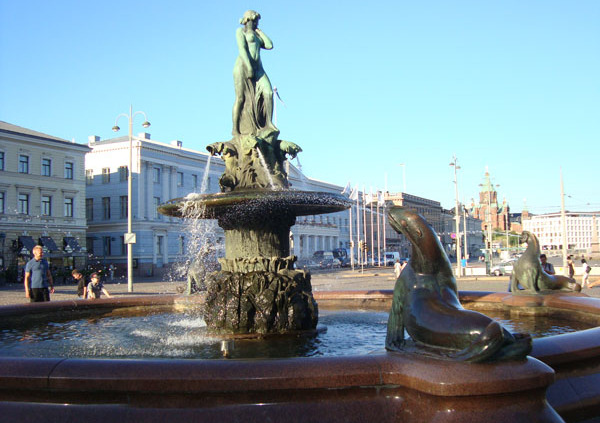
{"x": 525, "y": 237}
{"x": 427, "y": 253}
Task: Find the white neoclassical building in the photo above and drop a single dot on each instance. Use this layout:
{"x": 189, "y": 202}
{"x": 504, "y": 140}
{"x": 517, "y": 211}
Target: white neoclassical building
{"x": 580, "y": 230}
{"x": 42, "y": 197}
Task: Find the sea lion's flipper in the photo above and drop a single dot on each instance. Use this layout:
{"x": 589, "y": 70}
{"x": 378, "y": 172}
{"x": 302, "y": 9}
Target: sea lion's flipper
{"x": 485, "y": 346}
{"x": 519, "y": 348}
{"x": 394, "y": 339}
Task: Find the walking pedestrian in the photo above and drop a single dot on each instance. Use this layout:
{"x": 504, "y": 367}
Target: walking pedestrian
{"x": 585, "y": 273}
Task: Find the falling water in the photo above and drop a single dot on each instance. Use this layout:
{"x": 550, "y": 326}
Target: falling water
{"x": 263, "y": 163}
{"x": 201, "y": 243}
{"x": 204, "y": 185}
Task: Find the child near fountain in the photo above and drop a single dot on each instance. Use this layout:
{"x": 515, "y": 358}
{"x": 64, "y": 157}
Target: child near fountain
{"x": 81, "y": 285}
{"x": 95, "y": 288}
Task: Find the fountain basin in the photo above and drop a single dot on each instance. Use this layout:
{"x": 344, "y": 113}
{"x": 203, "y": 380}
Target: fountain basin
{"x": 252, "y": 204}
{"x": 383, "y": 386}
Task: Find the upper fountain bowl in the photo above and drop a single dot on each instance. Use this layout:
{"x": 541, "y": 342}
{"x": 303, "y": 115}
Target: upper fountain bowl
{"x": 255, "y": 203}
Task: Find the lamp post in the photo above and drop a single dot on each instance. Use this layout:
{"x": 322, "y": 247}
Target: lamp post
{"x": 130, "y": 236}
{"x": 457, "y": 217}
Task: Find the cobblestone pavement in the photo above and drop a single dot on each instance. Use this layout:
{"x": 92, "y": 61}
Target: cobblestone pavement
{"x": 339, "y": 280}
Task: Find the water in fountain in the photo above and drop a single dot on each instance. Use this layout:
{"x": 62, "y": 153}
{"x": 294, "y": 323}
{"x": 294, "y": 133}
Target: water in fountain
{"x": 160, "y": 334}
{"x": 263, "y": 163}
{"x": 204, "y": 185}
{"x": 202, "y": 246}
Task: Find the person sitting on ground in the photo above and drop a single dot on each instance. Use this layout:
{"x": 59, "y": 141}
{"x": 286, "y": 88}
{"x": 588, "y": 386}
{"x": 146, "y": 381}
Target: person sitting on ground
{"x": 547, "y": 267}
{"x": 95, "y": 288}
{"x": 81, "y": 285}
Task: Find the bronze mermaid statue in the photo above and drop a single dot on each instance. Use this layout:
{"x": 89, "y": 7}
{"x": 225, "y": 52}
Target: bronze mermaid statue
{"x": 426, "y": 305}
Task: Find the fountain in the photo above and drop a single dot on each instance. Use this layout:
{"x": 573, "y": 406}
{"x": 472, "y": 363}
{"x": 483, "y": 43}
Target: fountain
{"x": 457, "y": 366}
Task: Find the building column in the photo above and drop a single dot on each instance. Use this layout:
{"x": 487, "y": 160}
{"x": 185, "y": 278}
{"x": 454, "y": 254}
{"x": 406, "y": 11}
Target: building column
{"x": 141, "y": 191}
{"x": 150, "y": 191}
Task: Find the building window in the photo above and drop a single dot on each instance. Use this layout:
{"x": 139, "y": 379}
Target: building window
{"x": 89, "y": 245}
{"x": 46, "y": 205}
{"x": 156, "y": 175}
{"x": 1, "y": 160}
{"x": 123, "y": 206}
{"x": 46, "y": 167}
{"x": 2, "y": 201}
{"x": 179, "y": 179}
{"x": 23, "y": 164}
{"x": 105, "y": 175}
{"x": 106, "y": 250}
{"x": 106, "y": 208}
{"x": 23, "y": 204}
{"x": 181, "y": 244}
{"x": 89, "y": 208}
{"x": 69, "y": 170}
{"x": 69, "y": 207}
{"x": 123, "y": 245}
{"x": 194, "y": 181}
{"x": 159, "y": 244}
{"x": 123, "y": 173}
{"x": 156, "y": 204}
{"x": 89, "y": 176}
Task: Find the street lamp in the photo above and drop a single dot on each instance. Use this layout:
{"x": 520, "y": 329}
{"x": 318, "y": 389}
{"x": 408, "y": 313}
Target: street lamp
{"x": 130, "y": 236}
{"x": 457, "y": 217}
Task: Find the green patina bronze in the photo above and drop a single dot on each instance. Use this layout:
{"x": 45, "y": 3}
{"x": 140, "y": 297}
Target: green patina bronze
{"x": 528, "y": 272}
{"x": 257, "y": 290}
{"x": 426, "y": 305}
{"x": 255, "y": 156}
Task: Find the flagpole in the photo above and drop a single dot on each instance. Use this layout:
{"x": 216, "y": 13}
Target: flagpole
{"x": 378, "y": 234}
{"x": 364, "y": 226}
{"x": 358, "y": 252}
{"x": 351, "y": 242}
{"x": 372, "y": 235}
{"x": 384, "y": 227}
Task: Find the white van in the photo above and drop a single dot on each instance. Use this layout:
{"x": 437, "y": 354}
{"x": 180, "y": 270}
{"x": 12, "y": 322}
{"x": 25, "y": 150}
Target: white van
{"x": 391, "y": 257}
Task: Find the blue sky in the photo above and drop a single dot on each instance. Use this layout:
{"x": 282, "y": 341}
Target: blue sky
{"x": 509, "y": 85}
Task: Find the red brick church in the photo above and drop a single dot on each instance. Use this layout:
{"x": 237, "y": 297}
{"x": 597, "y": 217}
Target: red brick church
{"x": 488, "y": 210}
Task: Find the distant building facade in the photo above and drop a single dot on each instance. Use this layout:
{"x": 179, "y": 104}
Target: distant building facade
{"x": 582, "y": 230}
{"x": 42, "y": 198}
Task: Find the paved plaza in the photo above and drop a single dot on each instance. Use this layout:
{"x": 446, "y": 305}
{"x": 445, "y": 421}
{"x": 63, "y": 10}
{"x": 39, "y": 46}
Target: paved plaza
{"x": 337, "y": 280}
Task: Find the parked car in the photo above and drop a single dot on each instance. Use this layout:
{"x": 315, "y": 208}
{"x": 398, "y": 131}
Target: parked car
{"x": 345, "y": 262}
{"x": 306, "y": 264}
{"x": 503, "y": 268}
{"x": 329, "y": 263}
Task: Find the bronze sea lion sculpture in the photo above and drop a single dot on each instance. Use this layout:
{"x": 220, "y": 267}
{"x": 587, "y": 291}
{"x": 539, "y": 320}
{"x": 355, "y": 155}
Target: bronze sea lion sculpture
{"x": 528, "y": 272}
{"x": 426, "y": 305}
